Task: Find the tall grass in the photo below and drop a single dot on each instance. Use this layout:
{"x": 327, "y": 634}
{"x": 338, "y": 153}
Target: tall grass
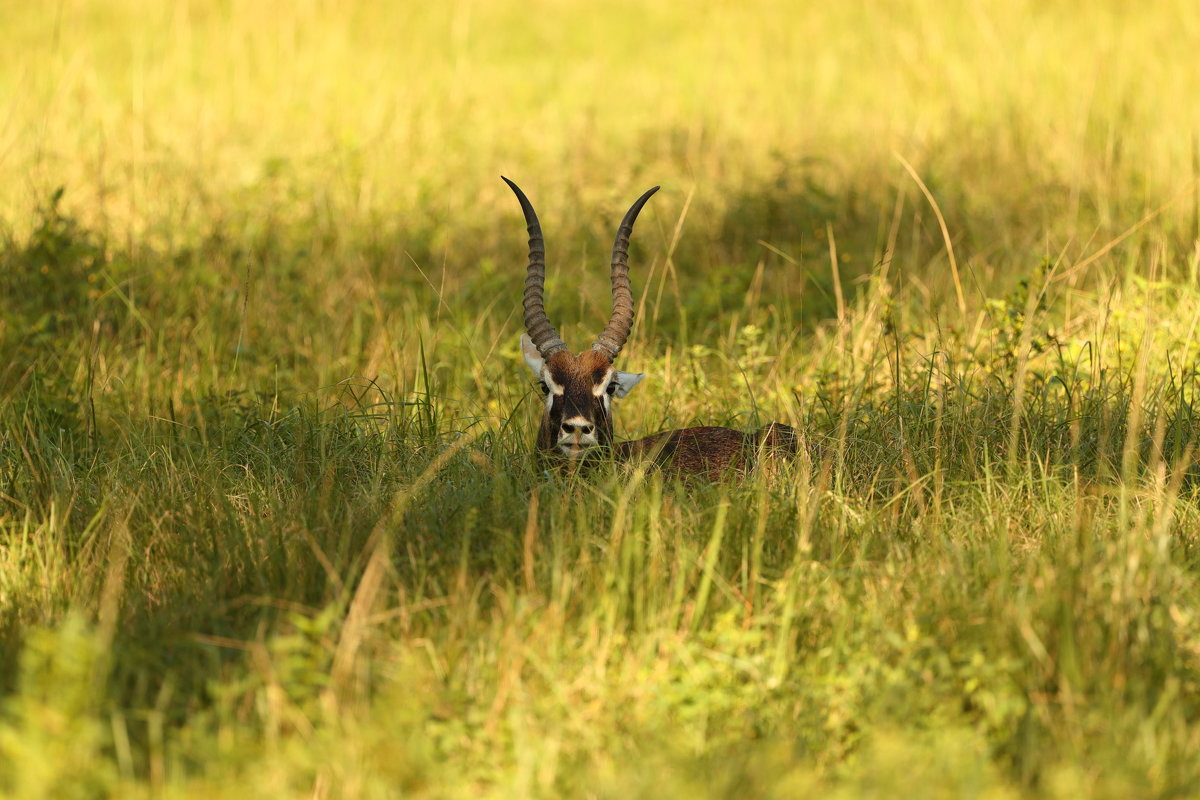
{"x": 269, "y": 522}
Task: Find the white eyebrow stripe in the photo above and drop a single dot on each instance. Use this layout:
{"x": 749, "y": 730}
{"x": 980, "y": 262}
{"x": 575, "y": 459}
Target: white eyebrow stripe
{"x": 555, "y": 388}
{"x": 599, "y": 389}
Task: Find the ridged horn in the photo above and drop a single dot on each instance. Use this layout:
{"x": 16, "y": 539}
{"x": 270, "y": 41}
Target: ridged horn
{"x": 616, "y": 333}
{"x": 537, "y": 324}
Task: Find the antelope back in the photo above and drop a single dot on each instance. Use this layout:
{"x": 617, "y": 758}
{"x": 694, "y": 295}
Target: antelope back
{"x": 709, "y": 451}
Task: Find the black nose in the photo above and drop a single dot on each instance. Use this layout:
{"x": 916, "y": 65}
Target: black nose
{"x": 572, "y": 427}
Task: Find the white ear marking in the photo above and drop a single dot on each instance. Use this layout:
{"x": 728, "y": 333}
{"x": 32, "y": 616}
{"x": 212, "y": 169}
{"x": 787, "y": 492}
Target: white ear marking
{"x": 625, "y": 382}
{"x": 532, "y": 357}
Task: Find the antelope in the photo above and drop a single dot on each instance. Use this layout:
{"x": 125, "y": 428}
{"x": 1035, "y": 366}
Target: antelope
{"x": 579, "y": 388}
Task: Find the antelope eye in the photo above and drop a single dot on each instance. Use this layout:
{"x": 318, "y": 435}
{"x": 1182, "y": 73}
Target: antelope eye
{"x": 545, "y": 389}
{"x": 612, "y": 388}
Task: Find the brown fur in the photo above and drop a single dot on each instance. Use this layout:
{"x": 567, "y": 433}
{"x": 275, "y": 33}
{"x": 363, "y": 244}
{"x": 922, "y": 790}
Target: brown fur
{"x": 587, "y": 368}
{"x": 708, "y": 451}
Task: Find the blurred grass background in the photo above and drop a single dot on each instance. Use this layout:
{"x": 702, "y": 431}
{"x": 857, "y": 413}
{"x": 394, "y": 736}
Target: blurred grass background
{"x": 268, "y": 521}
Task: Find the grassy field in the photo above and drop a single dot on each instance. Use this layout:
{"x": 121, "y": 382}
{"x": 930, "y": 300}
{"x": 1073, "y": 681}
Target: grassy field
{"x": 269, "y": 522}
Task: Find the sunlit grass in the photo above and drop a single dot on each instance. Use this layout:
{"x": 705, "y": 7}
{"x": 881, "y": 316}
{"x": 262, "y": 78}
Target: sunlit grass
{"x": 269, "y": 521}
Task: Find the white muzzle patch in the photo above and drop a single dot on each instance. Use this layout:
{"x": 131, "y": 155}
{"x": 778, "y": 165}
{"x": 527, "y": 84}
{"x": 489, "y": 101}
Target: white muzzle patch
{"x": 576, "y": 436}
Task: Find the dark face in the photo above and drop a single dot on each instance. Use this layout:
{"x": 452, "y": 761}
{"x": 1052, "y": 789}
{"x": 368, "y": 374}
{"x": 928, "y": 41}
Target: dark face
{"x": 578, "y": 391}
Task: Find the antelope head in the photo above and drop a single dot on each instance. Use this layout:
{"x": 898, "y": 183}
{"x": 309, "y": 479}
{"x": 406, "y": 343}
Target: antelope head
{"x": 578, "y": 388}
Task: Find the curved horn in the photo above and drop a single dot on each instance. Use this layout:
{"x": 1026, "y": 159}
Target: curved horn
{"x": 537, "y": 324}
{"x": 620, "y": 323}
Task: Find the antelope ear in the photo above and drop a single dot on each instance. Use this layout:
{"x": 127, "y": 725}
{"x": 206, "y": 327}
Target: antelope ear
{"x": 532, "y": 357}
{"x": 625, "y": 382}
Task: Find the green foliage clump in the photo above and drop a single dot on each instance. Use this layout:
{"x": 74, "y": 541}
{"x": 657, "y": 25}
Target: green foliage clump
{"x": 51, "y": 280}
{"x": 53, "y": 742}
